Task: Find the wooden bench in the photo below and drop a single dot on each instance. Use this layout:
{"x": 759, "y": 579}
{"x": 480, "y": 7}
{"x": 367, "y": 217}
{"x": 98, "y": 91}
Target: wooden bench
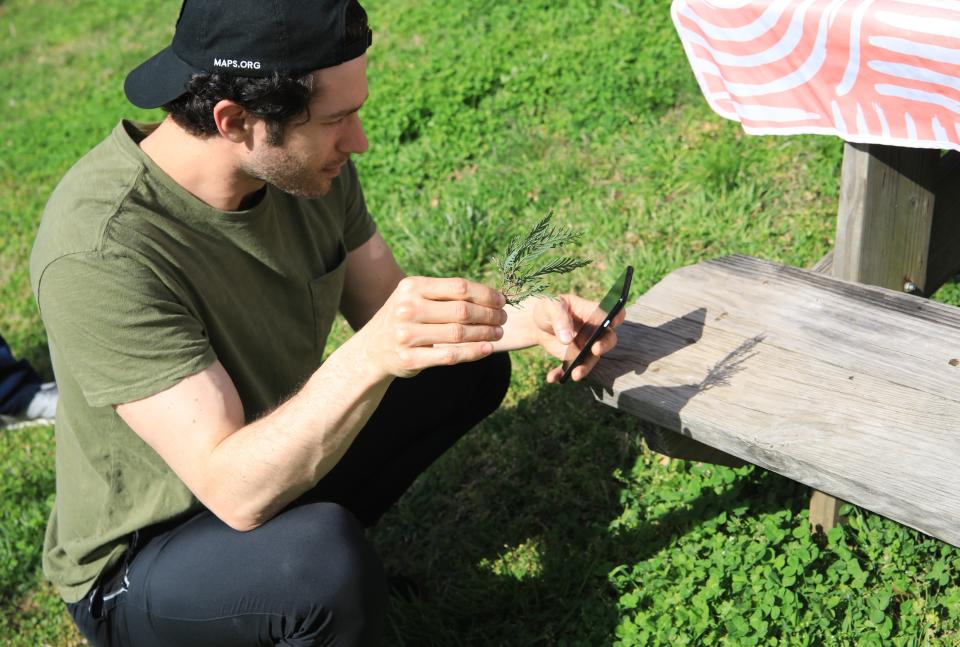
{"x": 853, "y": 390}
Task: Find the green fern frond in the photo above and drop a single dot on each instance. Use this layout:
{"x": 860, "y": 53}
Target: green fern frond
{"x": 521, "y": 277}
{"x": 561, "y": 265}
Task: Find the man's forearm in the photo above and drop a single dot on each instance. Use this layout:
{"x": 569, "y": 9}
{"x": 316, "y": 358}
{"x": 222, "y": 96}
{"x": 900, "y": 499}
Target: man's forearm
{"x": 285, "y": 453}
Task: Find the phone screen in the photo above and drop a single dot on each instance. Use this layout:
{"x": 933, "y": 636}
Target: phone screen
{"x": 597, "y": 324}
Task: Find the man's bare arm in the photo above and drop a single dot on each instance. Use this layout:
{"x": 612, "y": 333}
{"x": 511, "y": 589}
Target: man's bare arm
{"x": 246, "y": 473}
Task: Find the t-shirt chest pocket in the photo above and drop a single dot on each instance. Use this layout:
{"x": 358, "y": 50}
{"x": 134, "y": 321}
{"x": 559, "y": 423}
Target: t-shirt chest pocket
{"x": 325, "y": 292}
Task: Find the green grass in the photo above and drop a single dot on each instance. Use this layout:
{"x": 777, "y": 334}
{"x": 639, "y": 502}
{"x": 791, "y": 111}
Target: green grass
{"x": 549, "y": 524}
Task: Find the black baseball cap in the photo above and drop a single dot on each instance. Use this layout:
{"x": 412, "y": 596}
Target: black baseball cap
{"x": 250, "y": 38}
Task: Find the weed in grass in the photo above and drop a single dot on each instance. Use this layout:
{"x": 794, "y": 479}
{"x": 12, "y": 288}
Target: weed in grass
{"x": 757, "y": 576}
{"x": 949, "y": 293}
{"x": 447, "y": 241}
{"x": 40, "y": 619}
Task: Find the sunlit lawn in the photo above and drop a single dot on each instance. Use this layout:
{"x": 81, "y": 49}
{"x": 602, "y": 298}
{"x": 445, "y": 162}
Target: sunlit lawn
{"x": 549, "y": 524}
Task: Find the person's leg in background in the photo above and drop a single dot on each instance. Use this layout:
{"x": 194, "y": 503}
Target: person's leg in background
{"x": 22, "y": 392}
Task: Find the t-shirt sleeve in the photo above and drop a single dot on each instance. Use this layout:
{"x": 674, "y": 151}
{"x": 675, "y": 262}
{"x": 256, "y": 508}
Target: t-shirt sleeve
{"x": 359, "y": 225}
{"x": 118, "y": 329}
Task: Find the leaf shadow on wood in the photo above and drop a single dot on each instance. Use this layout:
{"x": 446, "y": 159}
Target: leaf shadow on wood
{"x": 641, "y": 346}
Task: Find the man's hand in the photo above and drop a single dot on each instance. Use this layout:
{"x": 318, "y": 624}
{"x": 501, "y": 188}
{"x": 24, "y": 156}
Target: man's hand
{"x": 556, "y": 322}
{"x": 432, "y": 322}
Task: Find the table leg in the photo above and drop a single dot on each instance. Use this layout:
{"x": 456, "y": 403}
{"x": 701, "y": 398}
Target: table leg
{"x": 824, "y": 511}
{"x": 885, "y": 216}
{"x": 944, "y": 261}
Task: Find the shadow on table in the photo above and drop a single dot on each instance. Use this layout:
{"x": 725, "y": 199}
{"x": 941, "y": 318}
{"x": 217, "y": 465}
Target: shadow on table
{"x": 660, "y": 407}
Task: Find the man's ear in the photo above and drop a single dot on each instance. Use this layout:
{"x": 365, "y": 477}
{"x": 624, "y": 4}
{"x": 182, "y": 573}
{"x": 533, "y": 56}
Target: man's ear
{"x": 233, "y": 121}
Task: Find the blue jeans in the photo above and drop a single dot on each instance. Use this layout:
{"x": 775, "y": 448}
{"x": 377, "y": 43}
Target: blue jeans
{"x": 18, "y": 382}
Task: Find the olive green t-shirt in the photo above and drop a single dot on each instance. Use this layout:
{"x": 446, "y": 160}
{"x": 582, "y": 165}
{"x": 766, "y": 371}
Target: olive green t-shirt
{"x": 140, "y": 285}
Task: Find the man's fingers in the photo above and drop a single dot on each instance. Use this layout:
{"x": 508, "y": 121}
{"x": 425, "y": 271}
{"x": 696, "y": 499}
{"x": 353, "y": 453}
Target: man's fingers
{"x": 462, "y": 312}
{"x": 561, "y": 321}
{"x": 416, "y": 359}
{"x": 605, "y": 344}
{"x": 619, "y": 319}
{"x": 581, "y": 371}
{"x": 554, "y": 375}
{"x": 447, "y": 333}
{"x": 453, "y": 289}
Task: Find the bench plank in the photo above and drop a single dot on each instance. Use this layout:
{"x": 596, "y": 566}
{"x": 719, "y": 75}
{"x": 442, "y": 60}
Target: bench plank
{"x": 846, "y": 388}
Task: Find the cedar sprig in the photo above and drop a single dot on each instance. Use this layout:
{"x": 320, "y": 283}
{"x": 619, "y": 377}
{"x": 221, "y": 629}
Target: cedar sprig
{"x": 521, "y": 269}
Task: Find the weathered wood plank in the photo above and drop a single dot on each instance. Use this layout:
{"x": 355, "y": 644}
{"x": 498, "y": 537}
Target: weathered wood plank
{"x": 788, "y": 370}
{"x": 911, "y": 344}
{"x": 885, "y": 215}
{"x": 888, "y": 226}
{"x": 898, "y": 227}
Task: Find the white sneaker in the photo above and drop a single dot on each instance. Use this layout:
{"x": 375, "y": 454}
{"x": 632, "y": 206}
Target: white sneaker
{"x": 43, "y": 406}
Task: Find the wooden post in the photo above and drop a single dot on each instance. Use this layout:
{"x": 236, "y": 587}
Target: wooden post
{"x": 884, "y": 227}
{"x": 944, "y": 262}
{"x": 885, "y": 216}
{"x": 824, "y": 511}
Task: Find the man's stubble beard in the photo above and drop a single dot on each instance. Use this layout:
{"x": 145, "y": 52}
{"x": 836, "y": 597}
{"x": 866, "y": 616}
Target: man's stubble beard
{"x": 277, "y": 167}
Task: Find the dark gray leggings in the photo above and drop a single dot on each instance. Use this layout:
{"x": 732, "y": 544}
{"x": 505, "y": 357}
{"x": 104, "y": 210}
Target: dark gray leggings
{"x": 309, "y": 576}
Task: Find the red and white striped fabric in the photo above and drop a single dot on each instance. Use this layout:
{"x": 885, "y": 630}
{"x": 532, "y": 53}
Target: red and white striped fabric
{"x": 871, "y": 71}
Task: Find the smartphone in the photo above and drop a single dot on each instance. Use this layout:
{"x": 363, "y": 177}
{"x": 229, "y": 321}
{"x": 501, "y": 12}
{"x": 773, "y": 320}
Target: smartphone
{"x": 598, "y": 323}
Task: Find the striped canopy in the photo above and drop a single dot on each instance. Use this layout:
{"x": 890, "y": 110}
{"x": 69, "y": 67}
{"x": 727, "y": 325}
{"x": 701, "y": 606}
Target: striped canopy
{"x": 871, "y": 71}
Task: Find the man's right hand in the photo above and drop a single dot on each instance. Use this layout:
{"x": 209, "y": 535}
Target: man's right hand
{"x": 433, "y": 322}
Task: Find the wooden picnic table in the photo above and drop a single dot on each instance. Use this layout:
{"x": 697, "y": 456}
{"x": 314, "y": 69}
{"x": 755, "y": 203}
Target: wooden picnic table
{"x": 884, "y": 75}
{"x": 848, "y": 388}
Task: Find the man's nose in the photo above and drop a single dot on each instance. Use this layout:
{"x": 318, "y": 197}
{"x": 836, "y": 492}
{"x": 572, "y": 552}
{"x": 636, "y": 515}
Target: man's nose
{"x": 353, "y": 139}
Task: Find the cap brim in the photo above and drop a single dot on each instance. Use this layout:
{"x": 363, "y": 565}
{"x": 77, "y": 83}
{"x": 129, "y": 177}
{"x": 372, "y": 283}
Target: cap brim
{"x": 159, "y": 80}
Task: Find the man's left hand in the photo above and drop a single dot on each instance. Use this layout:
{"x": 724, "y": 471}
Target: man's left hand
{"x": 557, "y": 321}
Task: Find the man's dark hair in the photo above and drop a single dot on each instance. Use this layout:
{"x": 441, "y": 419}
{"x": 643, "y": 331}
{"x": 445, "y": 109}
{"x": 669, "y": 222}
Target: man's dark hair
{"x": 276, "y": 99}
